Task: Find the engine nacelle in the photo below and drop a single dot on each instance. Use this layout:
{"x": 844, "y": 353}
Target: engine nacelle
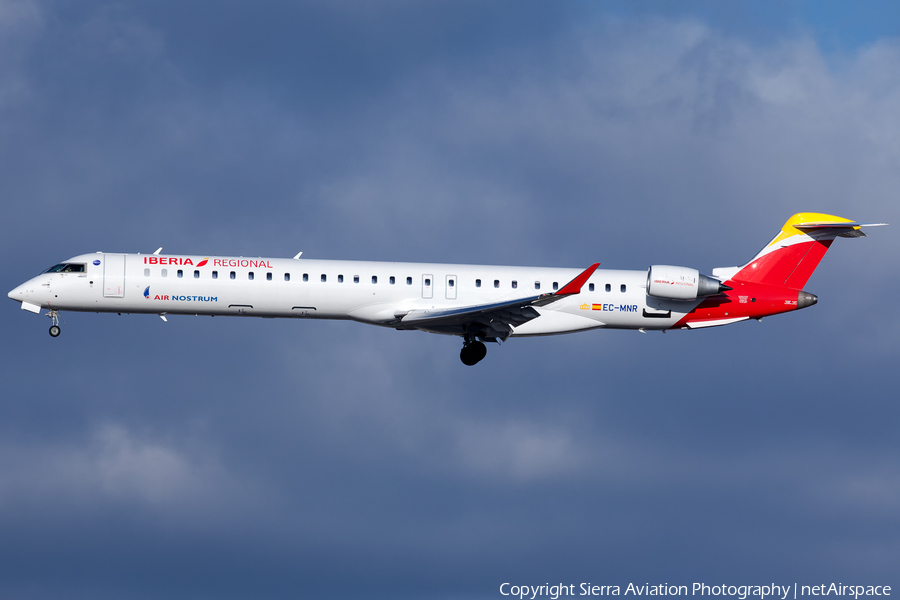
{"x": 681, "y": 283}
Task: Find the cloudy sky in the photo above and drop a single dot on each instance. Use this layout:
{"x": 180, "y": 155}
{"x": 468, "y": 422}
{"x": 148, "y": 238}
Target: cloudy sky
{"x": 236, "y": 458}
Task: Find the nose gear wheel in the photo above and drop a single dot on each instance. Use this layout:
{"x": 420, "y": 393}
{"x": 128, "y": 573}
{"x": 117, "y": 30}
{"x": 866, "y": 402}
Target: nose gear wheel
{"x": 54, "y": 318}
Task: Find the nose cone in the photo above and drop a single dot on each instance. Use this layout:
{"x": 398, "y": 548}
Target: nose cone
{"x": 17, "y": 294}
{"x": 805, "y": 299}
{"x": 22, "y": 293}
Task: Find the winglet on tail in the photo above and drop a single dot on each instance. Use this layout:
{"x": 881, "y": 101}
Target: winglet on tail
{"x": 791, "y": 257}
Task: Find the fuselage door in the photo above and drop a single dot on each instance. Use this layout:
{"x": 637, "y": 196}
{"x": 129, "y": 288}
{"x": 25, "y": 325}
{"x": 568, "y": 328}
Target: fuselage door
{"x": 450, "y": 286}
{"x": 427, "y": 286}
{"x": 113, "y": 275}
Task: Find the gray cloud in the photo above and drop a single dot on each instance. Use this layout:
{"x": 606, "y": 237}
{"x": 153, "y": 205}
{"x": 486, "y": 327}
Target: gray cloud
{"x": 113, "y": 466}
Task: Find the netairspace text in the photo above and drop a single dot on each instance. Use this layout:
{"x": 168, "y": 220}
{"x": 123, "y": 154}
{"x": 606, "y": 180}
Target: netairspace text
{"x": 741, "y": 592}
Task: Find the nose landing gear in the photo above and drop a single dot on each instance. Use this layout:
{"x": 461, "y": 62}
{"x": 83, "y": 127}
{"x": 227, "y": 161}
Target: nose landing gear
{"x": 472, "y": 352}
{"x": 54, "y": 318}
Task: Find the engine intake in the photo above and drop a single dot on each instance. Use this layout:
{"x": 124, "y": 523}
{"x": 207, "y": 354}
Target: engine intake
{"x": 681, "y": 283}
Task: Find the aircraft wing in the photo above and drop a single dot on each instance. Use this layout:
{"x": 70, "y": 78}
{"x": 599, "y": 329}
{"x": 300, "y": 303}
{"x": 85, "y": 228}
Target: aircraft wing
{"x": 490, "y": 321}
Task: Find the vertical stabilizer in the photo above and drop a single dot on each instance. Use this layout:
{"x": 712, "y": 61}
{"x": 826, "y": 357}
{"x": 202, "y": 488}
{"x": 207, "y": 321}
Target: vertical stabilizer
{"x": 791, "y": 257}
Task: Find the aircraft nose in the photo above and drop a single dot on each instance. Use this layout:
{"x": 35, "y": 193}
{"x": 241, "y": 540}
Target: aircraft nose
{"x": 20, "y": 293}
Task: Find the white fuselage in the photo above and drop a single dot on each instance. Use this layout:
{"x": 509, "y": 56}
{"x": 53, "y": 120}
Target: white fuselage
{"x": 377, "y": 293}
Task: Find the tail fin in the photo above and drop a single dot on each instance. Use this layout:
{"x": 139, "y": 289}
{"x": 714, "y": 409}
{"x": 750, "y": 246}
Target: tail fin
{"x": 790, "y": 259}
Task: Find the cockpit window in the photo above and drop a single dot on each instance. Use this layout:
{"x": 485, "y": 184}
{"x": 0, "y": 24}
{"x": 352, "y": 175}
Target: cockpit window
{"x": 67, "y": 268}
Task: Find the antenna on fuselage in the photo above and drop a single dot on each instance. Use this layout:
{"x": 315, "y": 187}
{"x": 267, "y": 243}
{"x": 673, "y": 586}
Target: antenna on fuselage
{"x": 298, "y": 255}
{"x": 158, "y": 250}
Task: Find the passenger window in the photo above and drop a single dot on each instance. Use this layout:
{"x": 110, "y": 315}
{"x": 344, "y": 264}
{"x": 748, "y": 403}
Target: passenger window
{"x": 591, "y": 287}
{"x": 180, "y": 273}
{"x": 392, "y": 280}
{"x": 250, "y": 275}
{"x": 215, "y": 274}
{"x": 356, "y": 279}
{"x": 608, "y": 288}
{"x": 477, "y": 283}
{"x": 232, "y": 275}
{"x": 196, "y": 274}
{"x": 164, "y": 272}
{"x": 555, "y": 286}
{"x": 324, "y": 278}
{"x": 515, "y": 284}
{"x": 622, "y": 288}
{"x": 268, "y": 277}
{"x": 374, "y": 278}
{"x": 146, "y": 272}
{"x": 340, "y": 279}
{"x": 496, "y": 283}
{"x": 409, "y": 281}
{"x": 306, "y": 277}
{"x": 287, "y": 276}
{"x": 537, "y": 285}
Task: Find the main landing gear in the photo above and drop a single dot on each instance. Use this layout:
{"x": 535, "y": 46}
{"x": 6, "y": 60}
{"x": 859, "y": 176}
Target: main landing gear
{"x": 473, "y": 351}
{"x": 54, "y": 328}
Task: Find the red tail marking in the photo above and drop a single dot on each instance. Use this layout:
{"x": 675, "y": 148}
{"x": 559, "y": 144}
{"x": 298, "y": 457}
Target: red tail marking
{"x": 808, "y": 264}
{"x": 790, "y": 266}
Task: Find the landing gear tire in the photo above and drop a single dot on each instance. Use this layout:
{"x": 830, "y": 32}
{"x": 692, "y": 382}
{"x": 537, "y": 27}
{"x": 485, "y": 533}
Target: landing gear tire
{"x": 54, "y": 319}
{"x": 471, "y": 354}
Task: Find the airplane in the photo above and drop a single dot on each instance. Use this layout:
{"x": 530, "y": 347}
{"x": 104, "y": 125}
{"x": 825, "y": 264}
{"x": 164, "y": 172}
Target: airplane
{"x": 475, "y": 302}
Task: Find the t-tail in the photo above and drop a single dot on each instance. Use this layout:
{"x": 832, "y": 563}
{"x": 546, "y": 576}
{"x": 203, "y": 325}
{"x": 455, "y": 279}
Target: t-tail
{"x": 791, "y": 257}
{"x": 772, "y": 282}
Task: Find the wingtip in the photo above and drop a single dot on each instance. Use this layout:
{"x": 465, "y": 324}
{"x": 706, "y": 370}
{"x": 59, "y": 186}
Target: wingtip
{"x": 574, "y": 286}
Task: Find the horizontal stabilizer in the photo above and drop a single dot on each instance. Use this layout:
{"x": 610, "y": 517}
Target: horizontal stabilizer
{"x": 842, "y": 229}
{"x": 823, "y": 224}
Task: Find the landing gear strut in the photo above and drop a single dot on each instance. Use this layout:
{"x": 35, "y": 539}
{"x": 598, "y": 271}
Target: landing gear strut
{"x": 472, "y": 352}
{"x": 54, "y": 318}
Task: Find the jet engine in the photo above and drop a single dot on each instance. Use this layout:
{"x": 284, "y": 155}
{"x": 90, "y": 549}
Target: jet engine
{"x": 681, "y": 283}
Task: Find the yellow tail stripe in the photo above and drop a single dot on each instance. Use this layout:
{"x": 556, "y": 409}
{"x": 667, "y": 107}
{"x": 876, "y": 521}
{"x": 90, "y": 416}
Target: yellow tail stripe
{"x": 789, "y": 230}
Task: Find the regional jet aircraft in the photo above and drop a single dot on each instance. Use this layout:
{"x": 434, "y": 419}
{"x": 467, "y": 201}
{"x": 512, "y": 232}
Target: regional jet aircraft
{"x": 477, "y": 303}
